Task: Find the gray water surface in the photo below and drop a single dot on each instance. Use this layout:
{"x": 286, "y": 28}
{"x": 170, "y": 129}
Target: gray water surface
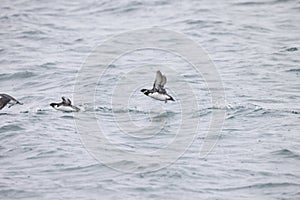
{"x": 255, "y": 46}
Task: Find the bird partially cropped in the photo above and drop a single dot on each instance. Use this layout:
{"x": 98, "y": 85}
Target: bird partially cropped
{"x": 6, "y": 99}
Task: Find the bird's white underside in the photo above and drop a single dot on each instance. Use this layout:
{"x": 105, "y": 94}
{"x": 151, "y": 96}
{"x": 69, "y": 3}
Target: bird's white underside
{"x": 158, "y": 96}
{"x": 65, "y": 108}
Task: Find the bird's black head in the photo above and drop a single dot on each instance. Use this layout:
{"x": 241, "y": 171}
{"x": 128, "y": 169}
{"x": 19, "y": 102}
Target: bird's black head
{"x": 145, "y": 91}
{"x": 53, "y": 104}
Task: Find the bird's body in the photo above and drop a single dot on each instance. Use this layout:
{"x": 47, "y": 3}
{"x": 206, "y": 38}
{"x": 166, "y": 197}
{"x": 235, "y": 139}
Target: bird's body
{"x": 159, "y": 96}
{"x": 158, "y": 91}
{"x": 6, "y": 99}
{"x": 65, "y": 106}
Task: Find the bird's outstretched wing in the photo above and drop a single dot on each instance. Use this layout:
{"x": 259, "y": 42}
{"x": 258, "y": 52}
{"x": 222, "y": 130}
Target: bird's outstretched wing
{"x": 164, "y": 81}
{"x": 3, "y": 101}
{"x": 158, "y": 80}
{"x": 69, "y": 102}
{"x": 66, "y": 101}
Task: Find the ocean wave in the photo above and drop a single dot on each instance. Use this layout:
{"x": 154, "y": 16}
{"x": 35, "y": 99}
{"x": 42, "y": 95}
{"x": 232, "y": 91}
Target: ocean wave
{"x": 17, "y": 75}
{"x": 286, "y": 153}
{"x": 10, "y": 128}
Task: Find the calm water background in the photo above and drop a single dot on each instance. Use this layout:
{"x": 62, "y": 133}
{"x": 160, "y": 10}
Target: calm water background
{"x": 255, "y": 47}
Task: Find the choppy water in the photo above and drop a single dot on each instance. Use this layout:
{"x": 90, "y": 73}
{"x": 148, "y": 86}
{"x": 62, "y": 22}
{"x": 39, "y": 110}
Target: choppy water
{"x": 255, "y": 47}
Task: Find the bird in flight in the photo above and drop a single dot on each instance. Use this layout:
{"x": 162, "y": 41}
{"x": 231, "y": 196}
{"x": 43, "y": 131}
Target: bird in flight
{"x": 65, "y": 105}
{"x": 7, "y": 99}
{"x": 158, "y": 91}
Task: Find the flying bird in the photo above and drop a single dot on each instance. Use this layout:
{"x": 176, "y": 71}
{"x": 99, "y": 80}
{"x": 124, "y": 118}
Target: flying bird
{"x": 65, "y": 106}
{"x": 158, "y": 91}
{"x": 7, "y": 99}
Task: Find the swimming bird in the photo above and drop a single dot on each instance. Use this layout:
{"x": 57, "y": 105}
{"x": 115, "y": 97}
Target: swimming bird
{"x": 7, "y": 99}
{"x": 65, "y": 105}
{"x": 158, "y": 91}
